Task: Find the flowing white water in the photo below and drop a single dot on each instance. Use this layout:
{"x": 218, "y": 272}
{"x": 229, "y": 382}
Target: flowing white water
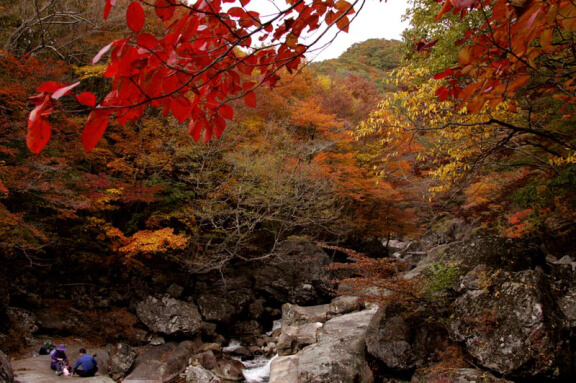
{"x": 275, "y": 325}
{"x": 258, "y": 370}
{"x": 233, "y": 345}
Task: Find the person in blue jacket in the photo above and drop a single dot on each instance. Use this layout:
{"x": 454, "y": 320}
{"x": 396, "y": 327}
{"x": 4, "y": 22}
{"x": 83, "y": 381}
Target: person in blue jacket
{"x": 86, "y": 365}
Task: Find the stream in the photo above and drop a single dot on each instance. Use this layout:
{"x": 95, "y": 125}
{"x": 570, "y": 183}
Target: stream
{"x": 258, "y": 369}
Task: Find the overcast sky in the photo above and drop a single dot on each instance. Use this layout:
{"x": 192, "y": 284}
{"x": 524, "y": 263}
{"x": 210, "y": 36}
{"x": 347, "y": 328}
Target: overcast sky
{"x": 375, "y": 20}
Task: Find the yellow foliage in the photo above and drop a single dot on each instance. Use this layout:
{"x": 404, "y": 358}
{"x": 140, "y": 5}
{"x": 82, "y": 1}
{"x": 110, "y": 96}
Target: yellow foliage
{"x": 106, "y": 201}
{"x": 90, "y": 71}
{"x": 148, "y": 242}
{"x": 452, "y": 138}
{"x": 325, "y": 82}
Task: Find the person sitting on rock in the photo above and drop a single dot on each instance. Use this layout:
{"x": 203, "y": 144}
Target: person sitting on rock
{"x": 86, "y": 365}
{"x": 59, "y": 359}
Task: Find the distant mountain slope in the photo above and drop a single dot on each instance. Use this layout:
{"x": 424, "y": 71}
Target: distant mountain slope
{"x": 373, "y": 59}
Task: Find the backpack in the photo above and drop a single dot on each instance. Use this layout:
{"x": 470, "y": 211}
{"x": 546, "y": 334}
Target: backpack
{"x": 46, "y": 349}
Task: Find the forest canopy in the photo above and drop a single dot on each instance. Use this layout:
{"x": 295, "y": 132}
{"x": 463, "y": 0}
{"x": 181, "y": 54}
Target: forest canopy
{"x": 475, "y": 120}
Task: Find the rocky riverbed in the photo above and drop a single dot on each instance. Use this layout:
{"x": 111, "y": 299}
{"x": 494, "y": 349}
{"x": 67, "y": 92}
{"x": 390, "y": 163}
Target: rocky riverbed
{"x": 489, "y": 307}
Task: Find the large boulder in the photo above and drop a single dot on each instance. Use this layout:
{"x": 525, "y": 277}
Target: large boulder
{"x": 196, "y": 374}
{"x": 498, "y": 253}
{"x": 159, "y": 364}
{"x": 344, "y": 304}
{"x": 295, "y": 274}
{"x": 229, "y": 370}
{"x": 169, "y": 316}
{"x": 24, "y": 320}
{"x": 55, "y": 319}
{"x": 6, "y": 373}
{"x": 510, "y": 324}
{"x": 207, "y": 359}
{"x": 297, "y": 315}
{"x": 122, "y": 358}
{"x": 300, "y": 327}
{"x": 284, "y": 369}
{"x": 401, "y": 340}
{"x": 338, "y": 356}
{"x": 216, "y": 309}
{"x": 294, "y": 338}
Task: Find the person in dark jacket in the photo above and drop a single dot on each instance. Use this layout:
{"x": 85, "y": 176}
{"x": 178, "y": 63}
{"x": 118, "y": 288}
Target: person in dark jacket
{"x": 59, "y": 359}
{"x": 86, "y": 365}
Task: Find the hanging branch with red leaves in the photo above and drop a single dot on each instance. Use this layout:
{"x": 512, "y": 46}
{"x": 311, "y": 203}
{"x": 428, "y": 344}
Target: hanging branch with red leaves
{"x": 514, "y": 45}
{"x": 205, "y": 58}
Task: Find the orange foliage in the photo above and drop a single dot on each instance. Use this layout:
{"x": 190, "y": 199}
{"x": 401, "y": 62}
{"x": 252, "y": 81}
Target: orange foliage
{"x": 146, "y": 242}
{"x": 376, "y": 280}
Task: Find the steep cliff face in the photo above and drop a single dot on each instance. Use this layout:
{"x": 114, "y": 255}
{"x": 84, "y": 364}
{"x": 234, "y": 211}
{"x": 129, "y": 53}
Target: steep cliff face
{"x": 500, "y": 305}
{"x": 239, "y": 302}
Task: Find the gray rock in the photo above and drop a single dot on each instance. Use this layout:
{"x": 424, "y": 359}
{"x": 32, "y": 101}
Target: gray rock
{"x": 567, "y": 304}
{"x": 216, "y": 309}
{"x": 247, "y": 331}
{"x": 175, "y": 291}
{"x": 338, "y": 356}
{"x": 335, "y": 360}
{"x": 207, "y": 359}
{"x": 229, "y": 369}
{"x": 6, "y": 373}
{"x": 284, "y": 369}
{"x": 297, "y": 315}
{"x": 400, "y": 341}
{"x": 195, "y": 374}
{"x": 509, "y": 254}
{"x": 214, "y": 347}
{"x": 121, "y": 360}
{"x": 294, "y": 338}
{"x": 159, "y": 364}
{"x": 169, "y": 316}
{"x": 242, "y": 352}
{"x": 23, "y": 318}
{"x": 344, "y": 305}
{"x": 295, "y": 273}
{"x": 510, "y": 326}
{"x": 456, "y": 375}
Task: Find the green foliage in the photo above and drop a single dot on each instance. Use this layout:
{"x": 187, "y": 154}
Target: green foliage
{"x": 372, "y": 59}
{"x": 446, "y": 32}
{"x": 377, "y": 53}
{"x": 440, "y": 277}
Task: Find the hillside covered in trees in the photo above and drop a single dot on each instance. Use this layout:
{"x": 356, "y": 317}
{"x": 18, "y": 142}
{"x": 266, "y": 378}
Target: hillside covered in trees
{"x": 151, "y": 150}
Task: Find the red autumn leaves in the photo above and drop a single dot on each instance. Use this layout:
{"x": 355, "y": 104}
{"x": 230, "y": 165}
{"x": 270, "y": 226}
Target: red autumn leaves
{"x": 194, "y": 69}
{"x": 135, "y": 17}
